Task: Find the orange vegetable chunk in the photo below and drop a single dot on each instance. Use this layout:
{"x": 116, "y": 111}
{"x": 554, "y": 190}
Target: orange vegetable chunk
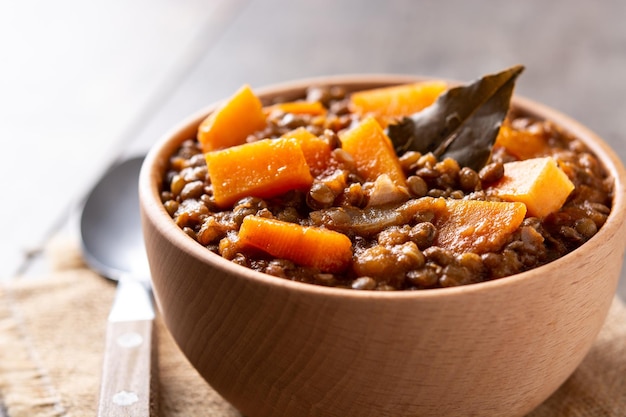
{"x": 265, "y": 168}
{"x": 539, "y": 183}
{"x": 314, "y": 108}
{"x": 373, "y": 152}
{"x": 522, "y": 144}
{"x": 231, "y": 123}
{"x": 316, "y": 151}
{"x": 477, "y": 226}
{"x": 391, "y": 102}
{"x": 324, "y": 249}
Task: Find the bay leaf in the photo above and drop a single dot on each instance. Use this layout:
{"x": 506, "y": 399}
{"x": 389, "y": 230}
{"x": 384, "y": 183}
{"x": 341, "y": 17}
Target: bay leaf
{"x": 463, "y": 123}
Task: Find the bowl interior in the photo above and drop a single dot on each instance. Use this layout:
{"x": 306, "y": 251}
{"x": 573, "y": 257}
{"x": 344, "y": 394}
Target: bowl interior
{"x": 156, "y": 164}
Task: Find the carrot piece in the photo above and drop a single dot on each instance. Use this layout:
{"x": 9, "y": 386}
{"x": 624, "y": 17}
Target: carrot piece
{"x": 373, "y": 152}
{"x": 265, "y": 168}
{"x": 402, "y": 100}
{"x": 521, "y": 144}
{"x": 230, "y": 124}
{"x": 324, "y": 249}
{"x": 477, "y": 226}
{"x": 539, "y": 183}
{"x": 314, "y": 108}
{"x": 316, "y": 151}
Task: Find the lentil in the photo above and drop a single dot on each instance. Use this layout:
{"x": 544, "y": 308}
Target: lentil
{"x": 417, "y": 186}
{"x": 491, "y": 172}
{"x": 468, "y": 179}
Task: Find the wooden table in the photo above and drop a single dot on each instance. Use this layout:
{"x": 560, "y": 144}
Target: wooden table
{"x": 85, "y": 83}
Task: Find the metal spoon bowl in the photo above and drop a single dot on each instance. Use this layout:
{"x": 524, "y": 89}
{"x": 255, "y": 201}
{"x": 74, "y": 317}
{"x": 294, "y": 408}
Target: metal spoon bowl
{"x": 113, "y": 246}
{"x": 110, "y": 224}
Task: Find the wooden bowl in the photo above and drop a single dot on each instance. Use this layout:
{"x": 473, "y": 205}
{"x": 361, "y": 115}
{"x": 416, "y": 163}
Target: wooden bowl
{"x": 273, "y": 347}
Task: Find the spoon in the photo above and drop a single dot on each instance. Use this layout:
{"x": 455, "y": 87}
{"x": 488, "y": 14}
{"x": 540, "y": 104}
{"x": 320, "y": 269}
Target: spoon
{"x": 113, "y": 246}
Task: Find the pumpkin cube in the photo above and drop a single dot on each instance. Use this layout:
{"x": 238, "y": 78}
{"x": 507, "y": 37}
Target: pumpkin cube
{"x": 538, "y": 182}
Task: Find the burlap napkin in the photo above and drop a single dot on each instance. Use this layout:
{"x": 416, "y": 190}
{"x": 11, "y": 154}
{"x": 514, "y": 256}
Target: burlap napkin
{"x": 52, "y": 335}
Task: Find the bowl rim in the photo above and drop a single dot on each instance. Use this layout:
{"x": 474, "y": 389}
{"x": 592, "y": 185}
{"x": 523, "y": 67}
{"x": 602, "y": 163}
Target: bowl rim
{"x": 154, "y": 209}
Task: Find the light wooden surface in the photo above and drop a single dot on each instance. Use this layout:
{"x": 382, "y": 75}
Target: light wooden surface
{"x": 83, "y": 83}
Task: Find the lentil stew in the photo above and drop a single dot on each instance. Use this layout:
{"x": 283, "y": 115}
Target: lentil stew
{"x": 417, "y": 223}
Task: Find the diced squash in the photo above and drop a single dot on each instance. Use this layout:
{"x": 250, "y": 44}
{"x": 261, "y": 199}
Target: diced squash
{"x": 522, "y": 144}
{"x": 315, "y": 247}
{"x": 391, "y": 102}
{"x": 477, "y": 226}
{"x": 314, "y": 108}
{"x": 373, "y": 152}
{"x": 539, "y": 183}
{"x": 266, "y": 168}
{"x": 316, "y": 151}
{"x": 231, "y": 123}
